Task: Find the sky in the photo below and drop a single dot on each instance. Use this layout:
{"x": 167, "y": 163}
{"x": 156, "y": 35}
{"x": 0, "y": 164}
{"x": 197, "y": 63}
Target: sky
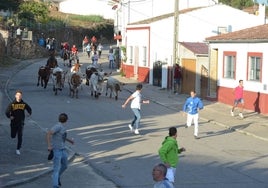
{"x": 88, "y": 7}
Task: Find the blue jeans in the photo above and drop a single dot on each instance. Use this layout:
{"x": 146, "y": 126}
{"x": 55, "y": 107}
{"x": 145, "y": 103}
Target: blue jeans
{"x": 111, "y": 64}
{"x": 60, "y": 163}
{"x": 137, "y": 117}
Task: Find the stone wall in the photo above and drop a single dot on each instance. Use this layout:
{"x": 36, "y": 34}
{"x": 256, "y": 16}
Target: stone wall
{"x": 24, "y": 49}
{"x": 2, "y": 47}
{"x": 29, "y": 49}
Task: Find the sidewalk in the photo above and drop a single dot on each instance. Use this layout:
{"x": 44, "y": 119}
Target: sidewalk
{"x": 14, "y": 172}
{"x": 252, "y": 124}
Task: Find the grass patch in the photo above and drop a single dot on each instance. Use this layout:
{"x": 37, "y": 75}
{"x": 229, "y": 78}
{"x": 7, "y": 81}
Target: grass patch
{"x": 90, "y": 18}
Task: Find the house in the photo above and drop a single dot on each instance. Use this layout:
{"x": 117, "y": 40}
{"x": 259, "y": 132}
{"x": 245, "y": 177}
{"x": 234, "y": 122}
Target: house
{"x": 240, "y": 55}
{"x": 151, "y": 41}
{"x": 128, "y": 12}
{"x": 195, "y": 62}
{"x": 86, "y": 7}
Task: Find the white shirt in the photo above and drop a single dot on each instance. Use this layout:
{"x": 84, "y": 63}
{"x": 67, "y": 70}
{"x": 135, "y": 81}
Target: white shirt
{"x": 136, "y": 101}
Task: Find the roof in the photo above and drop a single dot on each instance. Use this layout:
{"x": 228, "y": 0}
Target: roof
{"x": 253, "y": 34}
{"x": 196, "y": 47}
{"x": 164, "y": 16}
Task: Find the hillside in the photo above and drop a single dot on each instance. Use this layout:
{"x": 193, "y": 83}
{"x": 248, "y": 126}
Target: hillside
{"x": 78, "y": 20}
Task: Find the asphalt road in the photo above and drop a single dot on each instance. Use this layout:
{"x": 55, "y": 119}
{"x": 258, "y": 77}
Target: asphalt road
{"x": 99, "y": 126}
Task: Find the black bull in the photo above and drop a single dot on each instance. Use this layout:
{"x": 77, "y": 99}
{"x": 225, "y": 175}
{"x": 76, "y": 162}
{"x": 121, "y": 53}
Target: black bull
{"x": 43, "y": 76}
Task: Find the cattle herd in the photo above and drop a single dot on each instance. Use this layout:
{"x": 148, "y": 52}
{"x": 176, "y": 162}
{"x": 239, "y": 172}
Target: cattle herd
{"x": 97, "y": 79}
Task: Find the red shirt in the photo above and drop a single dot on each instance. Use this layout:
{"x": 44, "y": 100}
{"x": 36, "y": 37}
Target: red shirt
{"x": 239, "y": 92}
{"x": 177, "y": 72}
{"x": 74, "y": 50}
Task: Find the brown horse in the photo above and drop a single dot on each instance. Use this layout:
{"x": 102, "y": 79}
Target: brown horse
{"x": 74, "y": 84}
{"x": 52, "y": 62}
{"x": 43, "y": 76}
{"x": 66, "y": 57}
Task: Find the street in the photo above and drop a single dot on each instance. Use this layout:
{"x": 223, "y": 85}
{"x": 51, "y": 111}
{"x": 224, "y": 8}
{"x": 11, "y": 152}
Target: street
{"x": 221, "y": 158}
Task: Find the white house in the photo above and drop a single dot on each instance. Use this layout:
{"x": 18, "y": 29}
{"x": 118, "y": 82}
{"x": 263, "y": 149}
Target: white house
{"x": 241, "y": 55}
{"x": 87, "y": 7}
{"x": 151, "y": 40}
{"x": 127, "y": 12}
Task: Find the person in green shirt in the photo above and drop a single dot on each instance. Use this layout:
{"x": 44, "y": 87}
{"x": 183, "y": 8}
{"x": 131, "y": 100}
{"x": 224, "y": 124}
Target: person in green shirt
{"x": 168, "y": 153}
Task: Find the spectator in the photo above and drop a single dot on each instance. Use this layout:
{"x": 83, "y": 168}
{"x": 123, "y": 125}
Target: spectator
{"x": 177, "y": 79}
{"x": 159, "y": 176}
{"x": 111, "y": 60}
{"x": 99, "y": 48}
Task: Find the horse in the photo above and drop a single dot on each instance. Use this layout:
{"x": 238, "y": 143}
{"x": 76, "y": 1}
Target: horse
{"x": 43, "y": 76}
{"x": 52, "y": 62}
{"x": 58, "y": 78}
{"x": 74, "y": 83}
{"x": 73, "y": 59}
{"x": 66, "y": 57}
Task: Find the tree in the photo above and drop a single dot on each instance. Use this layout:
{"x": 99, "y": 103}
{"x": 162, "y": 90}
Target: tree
{"x": 34, "y": 11}
{"x": 240, "y": 4}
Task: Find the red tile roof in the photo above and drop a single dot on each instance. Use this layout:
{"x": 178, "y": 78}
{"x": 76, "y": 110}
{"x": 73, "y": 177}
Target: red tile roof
{"x": 253, "y": 34}
{"x": 196, "y": 47}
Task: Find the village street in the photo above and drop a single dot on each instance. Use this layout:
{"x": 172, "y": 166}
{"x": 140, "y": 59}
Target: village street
{"x": 105, "y": 147}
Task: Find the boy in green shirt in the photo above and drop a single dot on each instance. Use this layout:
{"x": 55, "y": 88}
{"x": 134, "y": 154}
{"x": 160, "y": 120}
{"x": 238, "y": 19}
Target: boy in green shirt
{"x": 169, "y": 153}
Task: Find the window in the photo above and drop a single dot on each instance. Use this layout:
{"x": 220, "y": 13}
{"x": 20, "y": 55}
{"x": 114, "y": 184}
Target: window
{"x": 130, "y": 49}
{"x": 229, "y": 65}
{"x": 254, "y": 67}
{"x": 144, "y": 56}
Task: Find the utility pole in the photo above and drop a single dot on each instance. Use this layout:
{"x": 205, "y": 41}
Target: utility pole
{"x": 176, "y": 32}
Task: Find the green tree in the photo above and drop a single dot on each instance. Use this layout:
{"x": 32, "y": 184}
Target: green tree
{"x": 34, "y": 11}
{"x": 239, "y": 4}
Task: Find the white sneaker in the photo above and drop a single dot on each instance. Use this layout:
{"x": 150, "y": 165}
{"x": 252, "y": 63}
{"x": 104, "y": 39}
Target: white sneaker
{"x": 136, "y": 131}
{"x": 18, "y": 152}
{"x": 130, "y": 127}
{"x": 241, "y": 115}
{"x": 232, "y": 113}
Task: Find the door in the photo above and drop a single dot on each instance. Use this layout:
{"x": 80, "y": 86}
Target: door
{"x": 204, "y": 82}
{"x": 188, "y": 75}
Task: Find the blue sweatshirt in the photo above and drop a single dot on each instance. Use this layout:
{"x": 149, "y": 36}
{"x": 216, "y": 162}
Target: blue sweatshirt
{"x": 192, "y": 105}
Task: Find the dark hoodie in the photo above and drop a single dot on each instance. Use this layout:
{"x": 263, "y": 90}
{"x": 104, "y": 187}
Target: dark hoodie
{"x": 16, "y": 109}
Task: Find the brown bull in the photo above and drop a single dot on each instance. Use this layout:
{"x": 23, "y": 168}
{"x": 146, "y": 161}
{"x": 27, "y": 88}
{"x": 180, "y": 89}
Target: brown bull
{"x": 74, "y": 83}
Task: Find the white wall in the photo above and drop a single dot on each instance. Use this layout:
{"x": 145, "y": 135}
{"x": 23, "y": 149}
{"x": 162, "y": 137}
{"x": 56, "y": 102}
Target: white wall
{"x": 140, "y": 10}
{"x": 87, "y": 7}
{"x": 198, "y": 24}
{"x": 242, "y": 50}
